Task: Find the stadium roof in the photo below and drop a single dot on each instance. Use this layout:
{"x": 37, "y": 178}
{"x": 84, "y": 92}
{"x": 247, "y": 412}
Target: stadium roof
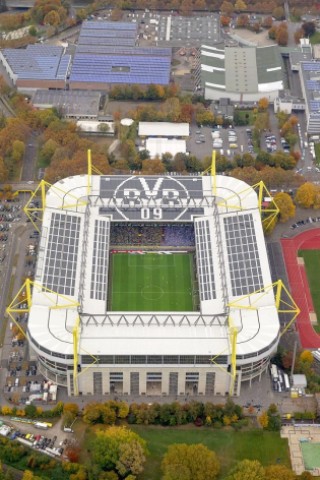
{"x": 75, "y": 103}
{"x": 73, "y": 261}
{"x": 163, "y": 129}
{"x": 242, "y": 69}
{"x": 159, "y": 146}
{"x": 38, "y": 62}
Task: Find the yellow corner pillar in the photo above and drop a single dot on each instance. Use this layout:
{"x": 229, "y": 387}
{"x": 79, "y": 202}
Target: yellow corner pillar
{"x": 75, "y": 334}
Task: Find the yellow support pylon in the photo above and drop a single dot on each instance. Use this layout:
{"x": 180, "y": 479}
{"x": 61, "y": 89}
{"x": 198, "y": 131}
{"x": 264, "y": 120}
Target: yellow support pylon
{"x": 75, "y": 334}
{"x": 76, "y": 349}
{"x": 212, "y": 170}
{"x": 24, "y": 295}
{"x": 233, "y": 331}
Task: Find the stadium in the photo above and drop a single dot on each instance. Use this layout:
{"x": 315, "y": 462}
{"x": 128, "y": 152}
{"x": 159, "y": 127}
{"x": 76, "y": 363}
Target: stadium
{"x": 152, "y": 285}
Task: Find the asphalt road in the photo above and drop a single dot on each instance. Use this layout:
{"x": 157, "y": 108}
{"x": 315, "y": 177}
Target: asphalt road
{"x": 29, "y": 159}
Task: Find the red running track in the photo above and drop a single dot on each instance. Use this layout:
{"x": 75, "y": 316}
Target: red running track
{"x": 299, "y": 286}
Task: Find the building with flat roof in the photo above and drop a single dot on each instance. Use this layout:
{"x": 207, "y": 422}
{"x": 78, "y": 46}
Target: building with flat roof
{"x": 37, "y": 66}
{"x": 71, "y": 103}
{"x": 163, "y": 129}
{"x": 86, "y": 344}
{"x": 107, "y": 54}
{"x": 243, "y": 74}
{"x": 310, "y": 84}
{"x": 158, "y": 146}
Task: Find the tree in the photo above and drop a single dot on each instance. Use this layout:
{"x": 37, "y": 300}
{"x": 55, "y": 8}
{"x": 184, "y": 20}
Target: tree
{"x": 103, "y": 127}
{"x": 52, "y": 18}
{"x": 31, "y": 411}
{"x": 33, "y": 31}
{"x": 262, "y": 121}
{"x": 225, "y": 20}
{"x": 267, "y": 22}
{"x": 263, "y": 103}
{"x": 278, "y": 13}
{"x": 308, "y": 28}
{"x": 18, "y": 149}
{"x": 298, "y": 34}
{"x": 190, "y": 462}
{"x": 306, "y": 356}
{"x": 120, "y": 449}
{"x": 3, "y": 171}
{"x": 131, "y": 458}
{"x": 153, "y": 167}
{"x": 279, "y": 472}
{"x": 305, "y": 195}
{"x": 71, "y": 408}
{"x": 227, "y": 8}
{"x": 263, "y": 420}
{"x": 282, "y": 34}
{"x": 286, "y": 206}
{"x": 248, "y": 470}
{"x": 240, "y": 6}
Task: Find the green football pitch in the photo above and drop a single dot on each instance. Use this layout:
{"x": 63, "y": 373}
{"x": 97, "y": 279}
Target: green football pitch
{"x": 151, "y": 282}
{"x": 312, "y": 266}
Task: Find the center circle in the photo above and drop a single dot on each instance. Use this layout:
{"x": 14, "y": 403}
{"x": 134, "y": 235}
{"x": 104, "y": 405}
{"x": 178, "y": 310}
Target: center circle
{"x": 152, "y": 292}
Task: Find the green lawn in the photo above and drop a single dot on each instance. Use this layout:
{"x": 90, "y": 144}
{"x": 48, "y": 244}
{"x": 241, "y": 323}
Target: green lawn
{"x": 246, "y": 117}
{"x": 230, "y": 446}
{"x": 151, "y": 282}
{"x": 312, "y": 265}
{"x": 315, "y": 38}
{"x": 317, "y": 152}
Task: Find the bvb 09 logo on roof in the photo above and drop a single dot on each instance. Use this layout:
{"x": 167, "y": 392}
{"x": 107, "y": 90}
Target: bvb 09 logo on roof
{"x": 156, "y": 198}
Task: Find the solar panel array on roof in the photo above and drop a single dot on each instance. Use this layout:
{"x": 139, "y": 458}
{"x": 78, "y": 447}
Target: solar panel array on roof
{"x": 99, "y": 272}
{"x": 243, "y": 254}
{"x": 106, "y": 53}
{"x": 108, "y": 33}
{"x": 123, "y": 50}
{"x": 109, "y": 41}
{"x": 38, "y": 62}
{"x": 100, "y": 25}
{"x": 205, "y": 258}
{"x": 62, "y": 253}
{"x": 120, "y": 69}
{"x": 311, "y": 66}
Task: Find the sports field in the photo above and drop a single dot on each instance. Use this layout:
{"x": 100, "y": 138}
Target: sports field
{"x": 151, "y": 282}
{"x": 312, "y": 266}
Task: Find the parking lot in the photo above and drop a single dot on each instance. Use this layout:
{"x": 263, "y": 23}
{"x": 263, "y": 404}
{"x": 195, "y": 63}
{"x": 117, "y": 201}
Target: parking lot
{"x": 232, "y": 141}
{"x": 9, "y": 212}
{"x": 51, "y": 440}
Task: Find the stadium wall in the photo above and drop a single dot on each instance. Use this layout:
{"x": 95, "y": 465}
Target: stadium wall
{"x": 199, "y": 386}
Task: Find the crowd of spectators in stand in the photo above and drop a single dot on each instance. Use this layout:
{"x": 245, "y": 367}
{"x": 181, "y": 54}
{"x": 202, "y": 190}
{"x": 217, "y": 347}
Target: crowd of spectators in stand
{"x": 148, "y": 235}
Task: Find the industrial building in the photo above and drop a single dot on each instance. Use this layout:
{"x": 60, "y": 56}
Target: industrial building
{"x": 107, "y": 54}
{"x": 242, "y": 74}
{"x": 37, "y": 66}
{"x": 85, "y": 346}
{"x": 73, "y": 104}
{"x": 310, "y": 84}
